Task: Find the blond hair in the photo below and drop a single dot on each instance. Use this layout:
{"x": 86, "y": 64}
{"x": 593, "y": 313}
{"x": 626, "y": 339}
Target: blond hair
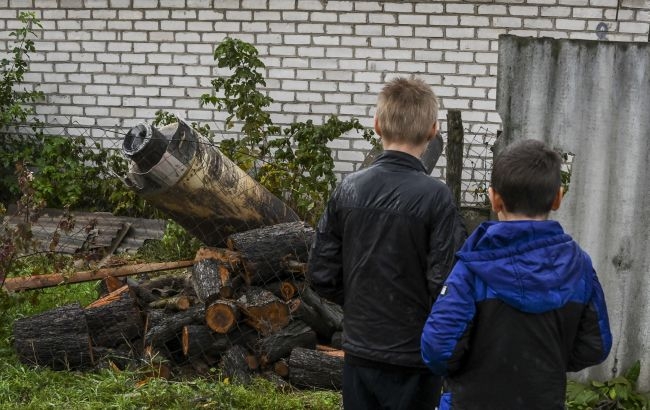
{"x": 407, "y": 109}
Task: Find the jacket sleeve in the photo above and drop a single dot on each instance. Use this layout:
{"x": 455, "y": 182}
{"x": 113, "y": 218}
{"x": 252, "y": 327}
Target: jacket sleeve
{"x": 325, "y": 267}
{"x": 446, "y": 333}
{"x": 594, "y": 339}
{"x": 446, "y": 238}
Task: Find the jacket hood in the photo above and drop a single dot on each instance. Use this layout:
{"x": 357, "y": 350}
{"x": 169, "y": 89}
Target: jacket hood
{"x": 531, "y": 265}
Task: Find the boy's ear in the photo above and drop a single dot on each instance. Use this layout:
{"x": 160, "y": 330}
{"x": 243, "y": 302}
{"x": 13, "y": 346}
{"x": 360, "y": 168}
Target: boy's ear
{"x": 558, "y": 199}
{"x": 496, "y": 201}
{"x": 377, "y": 129}
{"x": 434, "y": 131}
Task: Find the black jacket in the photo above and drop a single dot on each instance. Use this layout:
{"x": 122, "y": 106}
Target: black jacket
{"x": 383, "y": 249}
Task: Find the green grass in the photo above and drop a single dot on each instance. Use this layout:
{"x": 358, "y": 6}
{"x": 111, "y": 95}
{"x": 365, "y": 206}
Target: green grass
{"x": 24, "y": 387}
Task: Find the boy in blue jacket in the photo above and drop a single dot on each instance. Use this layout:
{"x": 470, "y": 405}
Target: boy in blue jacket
{"x": 523, "y": 304}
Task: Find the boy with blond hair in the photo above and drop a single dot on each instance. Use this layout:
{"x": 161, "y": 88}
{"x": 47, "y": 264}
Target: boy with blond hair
{"x": 523, "y": 304}
{"x": 383, "y": 249}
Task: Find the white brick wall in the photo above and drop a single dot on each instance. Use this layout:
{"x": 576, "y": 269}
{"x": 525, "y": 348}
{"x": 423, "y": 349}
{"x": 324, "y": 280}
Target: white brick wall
{"x": 115, "y": 62}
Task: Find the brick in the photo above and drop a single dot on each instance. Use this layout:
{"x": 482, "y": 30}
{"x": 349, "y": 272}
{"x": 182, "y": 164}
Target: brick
{"x": 382, "y": 65}
{"x": 338, "y": 98}
{"x": 413, "y": 43}
{"x": 282, "y": 4}
{"x": 398, "y": 7}
{"x": 622, "y": 15}
{"x": 79, "y": 14}
{"x": 459, "y": 32}
{"x": 475, "y": 21}
{"x": 399, "y": 31}
{"x": 309, "y": 97}
{"x": 159, "y": 36}
{"x": 326, "y": 40}
{"x": 119, "y": 25}
{"x": 604, "y": 3}
{"x": 131, "y": 79}
{"x": 524, "y": 10}
{"x": 159, "y": 58}
{"x": 369, "y": 30}
{"x": 81, "y": 57}
{"x": 629, "y": 27}
{"x": 66, "y": 67}
{"x": 488, "y": 33}
{"x": 489, "y": 58}
{"x": 145, "y": 47}
{"x": 117, "y": 68}
{"x": 382, "y": 18}
{"x": 79, "y": 78}
{"x": 412, "y": 19}
{"x": 327, "y": 17}
{"x": 438, "y": 44}
{"x": 267, "y": 16}
{"x": 474, "y": 69}
{"x": 538, "y": 23}
{"x": 428, "y": 55}
{"x": 436, "y": 20}
{"x": 300, "y": 16}
{"x": 282, "y": 27}
{"x": 311, "y": 28}
{"x": 398, "y": 54}
{"x": 310, "y": 5}
{"x": 367, "y": 6}
{"x": 591, "y": 13}
{"x": 152, "y": 25}
{"x": 575, "y": 2}
{"x": 428, "y": 32}
{"x": 487, "y": 105}
{"x": 58, "y": 57}
{"x": 340, "y": 52}
{"x": 457, "y": 80}
{"x": 441, "y": 68}
{"x": 455, "y": 104}
{"x": 85, "y": 100}
{"x": 105, "y": 14}
{"x": 513, "y": 22}
{"x": 293, "y": 39}
{"x": 338, "y": 29}
{"x": 458, "y": 56}
{"x": 429, "y": 8}
{"x": 352, "y": 18}
{"x": 68, "y": 25}
{"x": 475, "y": 45}
{"x": 411, "y": 67}
{"x": 555, "y": 11}
{"x": 383, "y": 42}
{"x": 497, "y": 10}
{"x": 460, "y": 8}
{"x": 566, "y": 24}
{"x": 201, "y": 26}
{"x": 351, "y": 156}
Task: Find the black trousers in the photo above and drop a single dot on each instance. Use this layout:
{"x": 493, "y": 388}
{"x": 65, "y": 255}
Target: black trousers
{"x": 366, "y": 388}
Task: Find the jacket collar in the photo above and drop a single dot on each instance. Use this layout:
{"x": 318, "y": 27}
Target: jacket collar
{"x": 400, "y": 158}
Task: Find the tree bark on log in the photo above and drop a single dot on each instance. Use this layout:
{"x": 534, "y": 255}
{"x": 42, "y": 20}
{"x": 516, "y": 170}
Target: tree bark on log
{"x": 165, "y": 327}
{"x": 173, "y": 303}
{"x": 234, "y": 365}
{"x": 281, "y": 343}
{"x": 55, "y": 279}
{"x": 57, "y": 338}
{"x": 199, "y": 342}
{"x": 331, "y": 313}
{"x": 267, "y": 252}
{"x": 212, "y": 280}
{"x": 222, "y": 316}
{"x": 114, "y": 319}
{"x": 301, "y": 310}
{"x": 285, "y": 289}
{"x": 263, "y": 310}
{"x": 314, "y": 369}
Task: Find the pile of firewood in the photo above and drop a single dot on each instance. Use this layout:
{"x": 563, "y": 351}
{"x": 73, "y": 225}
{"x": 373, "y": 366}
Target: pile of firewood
{"x": 245, "y": 309}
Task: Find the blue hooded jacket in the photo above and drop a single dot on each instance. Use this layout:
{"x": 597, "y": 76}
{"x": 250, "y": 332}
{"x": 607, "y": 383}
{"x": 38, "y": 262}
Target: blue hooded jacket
{"x": 521, "y": 307}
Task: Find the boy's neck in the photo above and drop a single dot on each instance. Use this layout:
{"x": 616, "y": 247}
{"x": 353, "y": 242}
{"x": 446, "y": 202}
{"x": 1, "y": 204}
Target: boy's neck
{"x": 509, "y": 216}
{"x": 415, "y": 150}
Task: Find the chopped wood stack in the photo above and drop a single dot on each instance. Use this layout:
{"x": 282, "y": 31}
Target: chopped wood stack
{"x": 245, "y": 309}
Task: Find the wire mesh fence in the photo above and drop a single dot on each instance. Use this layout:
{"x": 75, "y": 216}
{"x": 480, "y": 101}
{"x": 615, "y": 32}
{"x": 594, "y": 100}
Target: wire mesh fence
{"x": 237, "y": 302}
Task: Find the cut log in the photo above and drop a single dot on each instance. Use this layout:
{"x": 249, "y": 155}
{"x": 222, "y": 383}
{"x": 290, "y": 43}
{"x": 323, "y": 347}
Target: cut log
{"x": 110, "y": 284}
{"x": 263, "y": 310}
{"x": 55, "y": 279}
{"x": 301, "y": 310}
{"x": 266, "y": 252}
{"x": 174, "y": 303}
{"x": 199, "y": 342}
{"x": 114, "y": 319}
{"x": 280, "y": 343}
{"x": 280, "y": 384}
{"x": 229, "y": 258}
{"x": 337, "y": 340}
{"x": 281, "y": 368}
{"x": 234, "y": 366}
{"x": 330, "y": 313}
{"x": 222, "y": 316}
{"x": 57, "y": 338}
{"x": 165, "y": 327}
{"x": 314, "y": 369}
{"x": 212, "y": 280}
{"x": 285, "y": 289}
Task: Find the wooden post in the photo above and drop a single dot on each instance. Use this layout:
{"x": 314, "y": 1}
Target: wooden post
{"x": 454, "y": 153}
